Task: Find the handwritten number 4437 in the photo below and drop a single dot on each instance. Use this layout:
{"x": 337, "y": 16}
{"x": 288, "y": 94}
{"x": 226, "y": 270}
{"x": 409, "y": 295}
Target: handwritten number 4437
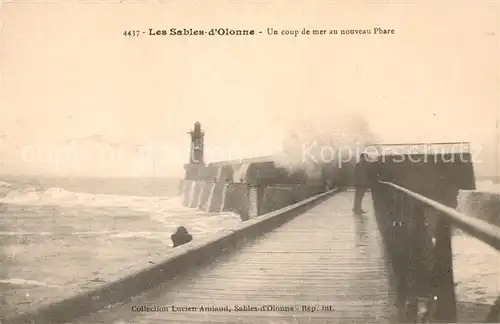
{"x": 131, "y": 33}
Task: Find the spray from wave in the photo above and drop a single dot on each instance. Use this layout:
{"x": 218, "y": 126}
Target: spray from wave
{"x": 324, "y": 138}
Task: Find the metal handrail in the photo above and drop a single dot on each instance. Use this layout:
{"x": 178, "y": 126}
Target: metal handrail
{"x": 420, "y": 148}
{"x": 408, "y": 144}
{"x": 482, "y": 230}
{"x": 259, "y": 159}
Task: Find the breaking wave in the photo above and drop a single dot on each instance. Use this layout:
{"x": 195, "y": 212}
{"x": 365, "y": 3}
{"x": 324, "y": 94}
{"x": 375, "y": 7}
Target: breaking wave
{"x": 29, "y": 195}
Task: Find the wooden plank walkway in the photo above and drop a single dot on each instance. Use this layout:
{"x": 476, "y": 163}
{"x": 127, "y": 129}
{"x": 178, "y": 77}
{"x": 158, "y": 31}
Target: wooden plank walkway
{"x": 325, "y": 258}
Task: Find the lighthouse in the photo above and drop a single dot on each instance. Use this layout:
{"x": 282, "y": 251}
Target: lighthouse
{"x": 196, "y": 162}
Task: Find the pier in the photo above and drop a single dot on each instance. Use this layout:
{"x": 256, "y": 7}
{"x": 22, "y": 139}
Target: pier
{"x": 301, "y": 255}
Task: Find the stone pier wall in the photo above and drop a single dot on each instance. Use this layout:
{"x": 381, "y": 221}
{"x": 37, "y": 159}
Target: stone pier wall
{"x": 253, "y": 187}
{"x": 243, "y": 199}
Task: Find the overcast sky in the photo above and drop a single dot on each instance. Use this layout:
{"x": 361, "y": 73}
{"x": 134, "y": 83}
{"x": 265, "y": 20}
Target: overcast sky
{"x": 71, "y": 79}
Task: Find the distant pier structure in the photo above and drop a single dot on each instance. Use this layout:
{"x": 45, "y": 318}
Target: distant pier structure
{"x": 194, "y": 169}
{"x": 247, "y": 186}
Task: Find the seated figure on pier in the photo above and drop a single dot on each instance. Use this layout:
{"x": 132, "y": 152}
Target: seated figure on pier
{"x": 181, "y": 236}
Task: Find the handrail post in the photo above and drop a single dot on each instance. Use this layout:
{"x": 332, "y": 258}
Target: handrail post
{"x": 423, "y": 250}
{"x": 413, "y": 261}
{"x": 400, "y": 243}
{"x": 446, "y": 308}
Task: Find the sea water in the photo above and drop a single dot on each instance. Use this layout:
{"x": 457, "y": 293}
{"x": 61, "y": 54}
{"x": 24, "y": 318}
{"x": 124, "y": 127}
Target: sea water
{"x": 476, "y": 265}
{"x": 59, "y": 233}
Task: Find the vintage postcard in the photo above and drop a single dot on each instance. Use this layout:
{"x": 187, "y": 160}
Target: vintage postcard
{"x": 249, "y": 161}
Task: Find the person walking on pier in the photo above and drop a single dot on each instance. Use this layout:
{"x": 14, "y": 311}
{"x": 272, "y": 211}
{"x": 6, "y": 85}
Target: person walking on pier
{"x": 361, "y": 182}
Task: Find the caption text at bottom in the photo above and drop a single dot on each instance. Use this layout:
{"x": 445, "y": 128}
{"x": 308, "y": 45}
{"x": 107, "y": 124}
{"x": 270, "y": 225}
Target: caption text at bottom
{"x": 233, "y": 308}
